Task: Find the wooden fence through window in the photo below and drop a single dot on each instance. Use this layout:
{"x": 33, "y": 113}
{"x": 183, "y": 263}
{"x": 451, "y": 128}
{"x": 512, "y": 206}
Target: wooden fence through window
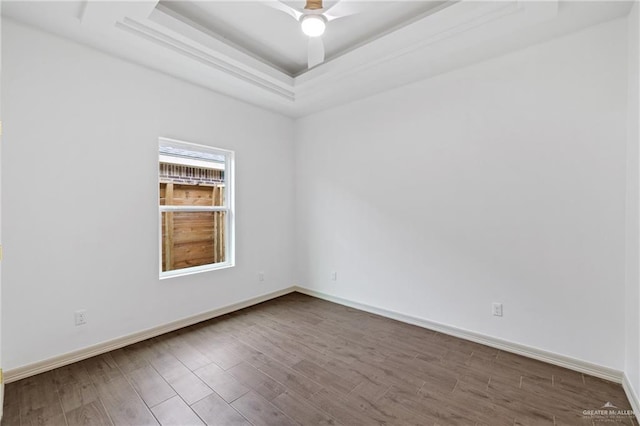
{"x": 192, "y": 238}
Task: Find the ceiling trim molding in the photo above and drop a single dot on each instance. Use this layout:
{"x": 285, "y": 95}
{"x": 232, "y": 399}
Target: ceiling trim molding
{"x": 205, "y": 56}
{"x": 101, "y": 14}
{"x": 456, "y": 24}
{"x": 452, "y": 35}
{"x": 166, "y": 19}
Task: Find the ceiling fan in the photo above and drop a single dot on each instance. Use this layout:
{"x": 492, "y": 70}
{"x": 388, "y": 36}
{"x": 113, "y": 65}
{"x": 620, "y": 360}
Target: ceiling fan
{"x": 313, "y": 21}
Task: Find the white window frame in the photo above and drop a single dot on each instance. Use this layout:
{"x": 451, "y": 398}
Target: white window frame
{"x": 228, "y": 207}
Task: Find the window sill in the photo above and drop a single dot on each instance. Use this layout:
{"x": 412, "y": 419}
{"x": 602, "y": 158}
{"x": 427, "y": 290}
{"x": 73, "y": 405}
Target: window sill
{"x": 195, "y": 270}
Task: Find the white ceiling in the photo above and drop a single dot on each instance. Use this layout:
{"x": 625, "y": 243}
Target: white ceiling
{"x": 255, "y": 53}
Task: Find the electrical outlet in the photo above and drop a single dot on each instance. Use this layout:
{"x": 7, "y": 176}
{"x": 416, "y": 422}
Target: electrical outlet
{"x": 334, "y": 276}
{"x": 496, "y": 308}
{"x": 81, "y": 317}
{"x": 260, "y": 276}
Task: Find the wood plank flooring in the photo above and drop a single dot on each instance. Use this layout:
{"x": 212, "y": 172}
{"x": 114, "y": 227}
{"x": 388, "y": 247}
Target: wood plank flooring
{"x": 297, "y": 360}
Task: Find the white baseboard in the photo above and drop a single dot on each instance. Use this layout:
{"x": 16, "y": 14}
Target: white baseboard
{"x": 528, "y": 351}
{"x": 632, "y": 395}
{"x": 100, "y": 348}
{"x": 545, "y": 356}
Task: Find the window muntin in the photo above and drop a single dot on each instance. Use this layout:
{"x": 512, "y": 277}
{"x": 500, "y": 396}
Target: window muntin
{"x": 196, "y": 208}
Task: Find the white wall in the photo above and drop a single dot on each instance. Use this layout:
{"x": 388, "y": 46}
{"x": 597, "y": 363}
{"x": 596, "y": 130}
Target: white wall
{"x": 632, "y": 296}
{"x": 79, "y": 173}
{"x": 500, "y": 182}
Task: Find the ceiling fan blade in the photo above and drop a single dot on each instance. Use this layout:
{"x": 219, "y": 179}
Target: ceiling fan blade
{"x": 341, "y": 9}
{"x": 315, "y": 54}
{"x": 295, "y": 14}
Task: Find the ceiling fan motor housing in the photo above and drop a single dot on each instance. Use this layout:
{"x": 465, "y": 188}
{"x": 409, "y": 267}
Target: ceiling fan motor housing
{"x": 313, "y": 4}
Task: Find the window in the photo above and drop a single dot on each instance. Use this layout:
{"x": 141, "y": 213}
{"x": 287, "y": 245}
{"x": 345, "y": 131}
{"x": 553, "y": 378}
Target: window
{"x": 196, "y": 208}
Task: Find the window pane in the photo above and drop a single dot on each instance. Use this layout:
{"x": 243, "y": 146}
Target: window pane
{"x": 192, "y": 239}
{"x": 175, "y": 194}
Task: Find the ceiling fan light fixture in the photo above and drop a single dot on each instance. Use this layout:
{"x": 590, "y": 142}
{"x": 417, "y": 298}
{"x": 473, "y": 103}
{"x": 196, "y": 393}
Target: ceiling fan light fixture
{"x": 313, "y": 25}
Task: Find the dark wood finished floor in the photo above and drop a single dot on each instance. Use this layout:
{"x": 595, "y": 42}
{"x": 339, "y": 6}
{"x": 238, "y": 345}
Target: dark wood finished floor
{"x": 300, "y": 360}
